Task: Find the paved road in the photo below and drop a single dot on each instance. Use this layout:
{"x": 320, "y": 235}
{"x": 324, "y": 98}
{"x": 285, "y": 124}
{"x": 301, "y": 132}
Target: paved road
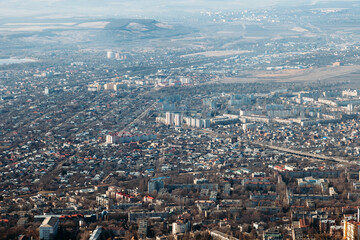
{"x": 305, "y": 154}
{"x": 317, "y": 157}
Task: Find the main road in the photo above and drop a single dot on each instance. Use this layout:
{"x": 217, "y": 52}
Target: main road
{"x": 312, "y": 156}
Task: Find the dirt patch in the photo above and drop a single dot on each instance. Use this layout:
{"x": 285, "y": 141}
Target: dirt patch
{"x": 331, "y": 74}
{"x": 281, "y": 73}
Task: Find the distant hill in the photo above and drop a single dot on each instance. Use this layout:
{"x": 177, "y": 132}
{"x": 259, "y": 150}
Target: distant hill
{"x": 128, "y": 29}
{"x": 133, "y": 25}
{"x": 88, "y": 32}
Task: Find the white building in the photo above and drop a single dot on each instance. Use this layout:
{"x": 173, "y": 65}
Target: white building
{"x": 178, "y": 119}
{"x": 94, "y": 87}
{"x": 110, "y": 55}
{"x": 180, "y": 226}
{"x": 199, "y": 123}
{"x": 206, "y": 123}
{"x": 96, "y": 234}
{"x": 193, "y": 122}
{"x": 169, "y": 118}
{"x": 350, "y": 93}
{"x": 128, "y": 137}
{"x": 109, "y": 139}
{"x": 248, "y": 126}
{"x": 184, "y": 80}
{"x": 49, "y": 228}
{"x": 111, "y": 86}
{"x": 187, "y": 121}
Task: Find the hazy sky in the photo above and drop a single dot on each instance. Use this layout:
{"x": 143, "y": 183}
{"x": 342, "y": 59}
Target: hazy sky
{"x": 126, "y": 8}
